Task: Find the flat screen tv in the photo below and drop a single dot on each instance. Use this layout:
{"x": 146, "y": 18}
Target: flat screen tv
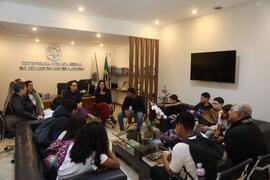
{"x": 213, "y": 66}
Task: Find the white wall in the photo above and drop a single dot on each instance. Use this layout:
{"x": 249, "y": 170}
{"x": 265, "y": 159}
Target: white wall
{"x": 244, "y": 28}
{"x": 12, "y": 53}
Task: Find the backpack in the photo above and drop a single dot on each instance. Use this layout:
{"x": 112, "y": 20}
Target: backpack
{"x": 170, "y": 138}
{"x": 206, "y": 152}
{"x": 42, "y": 132}
{"x": 55, "y": 154}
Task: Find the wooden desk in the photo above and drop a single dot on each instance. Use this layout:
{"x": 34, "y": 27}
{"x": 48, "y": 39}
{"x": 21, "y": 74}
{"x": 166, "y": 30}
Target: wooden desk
{"x": 88, "y": 103}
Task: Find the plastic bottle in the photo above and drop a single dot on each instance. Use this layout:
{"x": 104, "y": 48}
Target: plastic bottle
{"x": 200, "y": 171}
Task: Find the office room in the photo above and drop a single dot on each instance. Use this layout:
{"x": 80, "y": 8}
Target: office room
{"x": 115, "y": 89}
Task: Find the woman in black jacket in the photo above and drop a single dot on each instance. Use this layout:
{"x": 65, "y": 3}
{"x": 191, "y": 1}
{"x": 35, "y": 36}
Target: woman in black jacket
{"x": 20, "y": 107}
{"x": 104, "y": 101}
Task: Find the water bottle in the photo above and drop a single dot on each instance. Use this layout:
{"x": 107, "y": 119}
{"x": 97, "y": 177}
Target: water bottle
{"x": 130, "y": 108}
{"x": 200, "y": 171}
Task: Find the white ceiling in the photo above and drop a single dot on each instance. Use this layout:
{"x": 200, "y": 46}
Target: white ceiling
{"x": 140, "y": 11}
{"x": 12, "y": 31}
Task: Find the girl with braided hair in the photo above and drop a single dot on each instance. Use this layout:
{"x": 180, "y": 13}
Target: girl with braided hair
{"x": 89, "y": 152}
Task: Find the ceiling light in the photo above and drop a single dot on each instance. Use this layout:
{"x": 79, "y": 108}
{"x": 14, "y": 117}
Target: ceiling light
{"x": 157, "y": 22}
{"x": 101, "y": 45}
{"x": 34, "y": 29}
{"x": 72, "y": 42}
{"x": 98, "y": 35}
{"x": 80, "y": 8}
{"x": 37, "y": 40}
{"x": 194, "y": 11}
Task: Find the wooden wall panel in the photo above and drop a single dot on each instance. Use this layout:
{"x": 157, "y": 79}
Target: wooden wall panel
{"x": 143, "y": 60}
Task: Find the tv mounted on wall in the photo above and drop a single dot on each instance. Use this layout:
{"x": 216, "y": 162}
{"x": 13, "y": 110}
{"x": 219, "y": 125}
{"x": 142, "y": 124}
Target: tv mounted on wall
{"x": 213, "y": 66}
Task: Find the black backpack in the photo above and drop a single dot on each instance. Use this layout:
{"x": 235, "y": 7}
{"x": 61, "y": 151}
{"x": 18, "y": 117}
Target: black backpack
{"x": 207, "y": 152}
{"x": 42, "y": 132}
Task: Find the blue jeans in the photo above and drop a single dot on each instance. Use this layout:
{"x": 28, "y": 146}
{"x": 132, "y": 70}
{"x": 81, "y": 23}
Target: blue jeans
{"x": 138, "y": 116}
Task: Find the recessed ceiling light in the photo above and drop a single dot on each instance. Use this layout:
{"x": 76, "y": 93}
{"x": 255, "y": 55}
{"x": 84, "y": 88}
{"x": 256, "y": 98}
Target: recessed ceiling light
{"x": 101, "y": 45}
{"x": 72, "y": 42}
{"x": 80, "y": 8}
{"x": 157, "y": 22}
{"x": 98, "y": 35}
{"x": 34, "y": 29}
{"x": 194, "y": 11}
{"x": 37, "y": 40}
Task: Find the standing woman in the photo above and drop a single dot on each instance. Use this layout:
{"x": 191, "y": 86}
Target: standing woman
{"x": 104, "y": 102}
{"x": 34, "y": 97}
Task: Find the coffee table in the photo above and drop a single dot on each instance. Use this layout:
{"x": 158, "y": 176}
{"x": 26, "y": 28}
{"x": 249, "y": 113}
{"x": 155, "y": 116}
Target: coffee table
{"x": 132, "y": 153}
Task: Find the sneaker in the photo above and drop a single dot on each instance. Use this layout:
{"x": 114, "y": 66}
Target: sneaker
{"x": 121, "y": 133}
{"x": 113, "y": 120}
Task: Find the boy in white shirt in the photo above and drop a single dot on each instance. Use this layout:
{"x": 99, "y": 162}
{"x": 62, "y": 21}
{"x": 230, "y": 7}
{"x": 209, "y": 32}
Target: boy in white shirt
{"x": 179, "y": 158}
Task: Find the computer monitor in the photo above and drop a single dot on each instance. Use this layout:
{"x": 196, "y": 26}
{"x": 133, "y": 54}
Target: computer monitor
{"x": 86, "y": 84}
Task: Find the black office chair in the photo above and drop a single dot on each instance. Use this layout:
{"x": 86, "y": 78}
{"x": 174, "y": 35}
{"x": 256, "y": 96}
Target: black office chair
{"x": 260, "y": 169}
{"x": 60, "y": 87}
{"x": 239, "y": 171}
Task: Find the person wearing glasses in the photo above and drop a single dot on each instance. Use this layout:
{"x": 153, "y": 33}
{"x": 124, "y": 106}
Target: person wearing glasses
{"x": 73, "y": 93}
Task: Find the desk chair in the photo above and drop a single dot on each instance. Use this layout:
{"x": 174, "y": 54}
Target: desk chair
{"x": 262, "y": 164}
{"x": 60, "y": 87}
{"x": 108, "y": 120}
{"x": 238, "y": 172}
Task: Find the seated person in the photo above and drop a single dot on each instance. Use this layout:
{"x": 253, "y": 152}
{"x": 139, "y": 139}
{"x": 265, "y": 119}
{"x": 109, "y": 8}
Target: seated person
{"x": 174, "y": 106}
{"x": 204, "y": 102}
{"x": 194, "y": 149}
{"x": 243, "y": 139}
{"x": 89, "y": 152}
{"x": 171, "y": 110}
{"x": 10, "y": 93}
{"x": 20, "y": 106}
{"x": 61, "y": 117}
{"x": 104, "y": 102}
{"x": 73, "y": 93}
{"x": 212, "y": 116}
{"x": 56, "y": 152}
{"x": 180, "y": 157}
{"x": 52, "y": 127}
{"x": 34, "y": 97}
{"x": 133, "y": 106}
{"x": 223, "y": 124}
{"x": 201, "y": 106}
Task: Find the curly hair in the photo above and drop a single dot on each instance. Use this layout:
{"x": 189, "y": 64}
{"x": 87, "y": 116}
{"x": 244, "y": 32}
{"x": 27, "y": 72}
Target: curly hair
{"x": 91, "y": 140}
{"x": 76, "y": 122}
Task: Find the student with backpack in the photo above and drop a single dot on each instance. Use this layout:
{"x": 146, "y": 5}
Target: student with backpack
{"x": 52, "y": 127}
{"x": 56, "y": 152}
{"x": 193, "y": 157}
